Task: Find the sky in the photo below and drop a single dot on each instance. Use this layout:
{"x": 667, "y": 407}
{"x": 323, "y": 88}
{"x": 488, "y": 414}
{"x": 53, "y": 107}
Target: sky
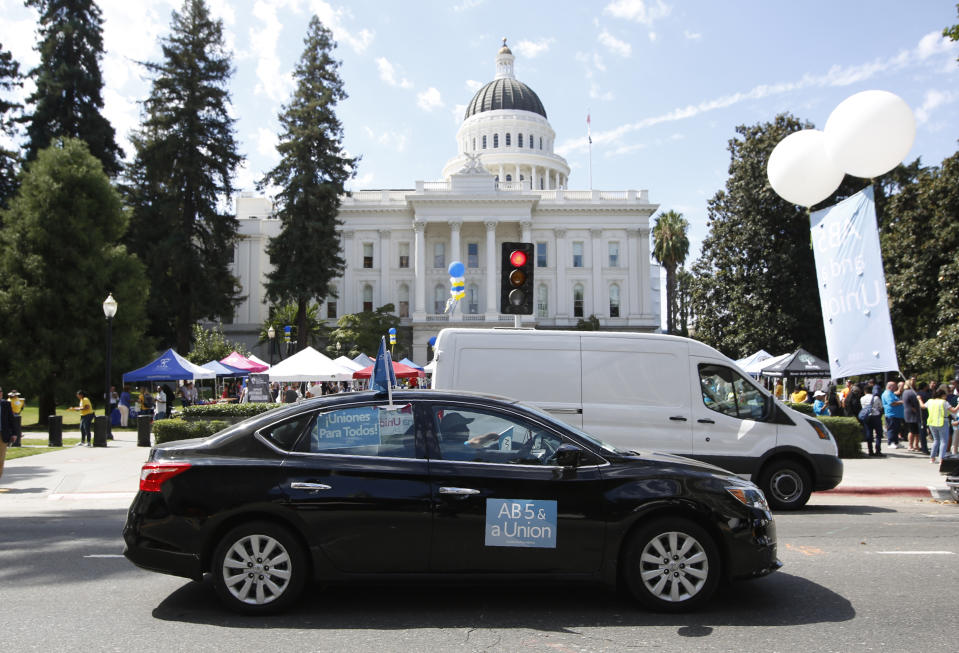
{"x": 665, "y": 82}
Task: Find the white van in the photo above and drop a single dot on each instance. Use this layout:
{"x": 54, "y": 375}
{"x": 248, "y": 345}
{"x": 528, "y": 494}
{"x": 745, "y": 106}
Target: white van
{"x": 652, "y": 392}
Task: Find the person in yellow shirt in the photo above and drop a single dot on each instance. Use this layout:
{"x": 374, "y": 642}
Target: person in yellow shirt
{"x": 799, "y": 395}
{"x": 86, "y": 418}
{"x": 16, "y": 402}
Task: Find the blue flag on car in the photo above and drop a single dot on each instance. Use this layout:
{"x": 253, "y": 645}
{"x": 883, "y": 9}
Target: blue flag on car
{"x": 384, "y": 377}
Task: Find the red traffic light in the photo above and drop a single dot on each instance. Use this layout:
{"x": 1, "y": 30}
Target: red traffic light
{"x": 518, "y": 258}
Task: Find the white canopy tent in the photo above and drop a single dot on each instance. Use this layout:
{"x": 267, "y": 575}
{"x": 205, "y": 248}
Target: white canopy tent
{"x": 257, "y": 360}
{"x": 348, "y": 363}
{"x": 363, "y": 360}
{"x": 760, "y": 355}
{"x": 309, "y": 365}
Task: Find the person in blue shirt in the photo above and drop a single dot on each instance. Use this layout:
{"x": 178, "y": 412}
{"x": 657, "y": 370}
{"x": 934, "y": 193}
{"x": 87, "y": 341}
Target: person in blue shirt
{"x": 893, "y": 410}
{"x": 819, "y": 403}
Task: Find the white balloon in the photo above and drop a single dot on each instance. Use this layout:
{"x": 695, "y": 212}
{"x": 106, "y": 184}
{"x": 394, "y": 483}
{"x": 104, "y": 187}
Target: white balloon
{"x": 799, "y": 170}
{"x": 870, "y": 133}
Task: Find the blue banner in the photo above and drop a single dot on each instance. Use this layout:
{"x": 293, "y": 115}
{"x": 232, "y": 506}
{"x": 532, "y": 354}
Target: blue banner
{"x": 521, "y": 523}
{"x": 852, "y": 288}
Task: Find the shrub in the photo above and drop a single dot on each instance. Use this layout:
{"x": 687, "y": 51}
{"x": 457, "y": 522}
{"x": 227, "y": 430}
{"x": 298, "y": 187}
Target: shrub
{"x": 848, "y": 434}
{"x": 804, "y": 408}
{"x": 231, "y": 413}
{"x": 168, "y": 430}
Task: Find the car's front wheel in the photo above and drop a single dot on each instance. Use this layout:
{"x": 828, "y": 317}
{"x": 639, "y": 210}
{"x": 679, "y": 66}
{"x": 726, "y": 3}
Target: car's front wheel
{"x": 786, "y": 484}
{"x": 259, "y": 568}
{"x": 672, "y": 565}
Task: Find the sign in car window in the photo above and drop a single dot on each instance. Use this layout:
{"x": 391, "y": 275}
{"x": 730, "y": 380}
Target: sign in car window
{"x": 359, "y": 427}
{"x": 521, "y": 523}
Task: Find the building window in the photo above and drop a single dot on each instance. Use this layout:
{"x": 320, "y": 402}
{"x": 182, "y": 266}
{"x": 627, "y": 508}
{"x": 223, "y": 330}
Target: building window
{"x": 368, "y": 256}
{"x": 439, "y": 298}
{"x": 495, "y": 140}
{"x": 519, "y": 140}
{"x": 404, "y": 255}
{"x": 472, "y": 299}
{"x": 507, "y": 140}
{"x": 367, "y": 298}
{"x": 540, "y": 142}
{"x": 542, "y": 300}
{"x": 439, "y": 255}
{"x": 484, "y": 141}
{"x": 404, "y": 300}
{"x": 541, "y": 258}
{"x": 331, "y": 310}
{"x": 472, "y": 255}
{"x": 613, "y": 254}
{"x": 578, "y": 254}
{"x": 509, "y": 177}
{"x": 578, "y": 300}
{"x": 531, "y": 141}
{"x": 474, "y": 143}
{"x": 541, "y": 182}
{"x": 614, "y": 300}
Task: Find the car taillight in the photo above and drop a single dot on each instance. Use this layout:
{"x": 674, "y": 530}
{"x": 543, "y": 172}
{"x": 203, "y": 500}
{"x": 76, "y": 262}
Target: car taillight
{"x": 154, "y": 475}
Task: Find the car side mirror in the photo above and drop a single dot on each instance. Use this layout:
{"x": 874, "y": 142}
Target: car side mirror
{"x": 568, "y": 455}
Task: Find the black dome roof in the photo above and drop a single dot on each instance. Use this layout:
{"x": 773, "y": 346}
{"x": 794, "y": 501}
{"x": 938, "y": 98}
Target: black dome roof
{"x": 505, "y": 93}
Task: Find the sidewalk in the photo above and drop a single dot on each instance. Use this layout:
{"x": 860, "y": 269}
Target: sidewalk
{"x": 81, "y": 475}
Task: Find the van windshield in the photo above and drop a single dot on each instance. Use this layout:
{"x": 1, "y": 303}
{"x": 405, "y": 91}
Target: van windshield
{"x": 596, "y": 442}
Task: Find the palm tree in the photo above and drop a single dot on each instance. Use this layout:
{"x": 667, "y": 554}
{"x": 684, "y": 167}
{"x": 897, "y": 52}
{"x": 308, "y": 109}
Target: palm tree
{"x": 670, "y": 248}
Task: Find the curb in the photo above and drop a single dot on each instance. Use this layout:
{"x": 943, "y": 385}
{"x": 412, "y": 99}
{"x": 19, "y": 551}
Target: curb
{"x": 939, "y": 493}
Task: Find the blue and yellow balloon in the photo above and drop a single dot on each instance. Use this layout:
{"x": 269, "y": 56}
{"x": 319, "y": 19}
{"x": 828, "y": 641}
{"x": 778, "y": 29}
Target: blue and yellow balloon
{"x": 457, "y": 284}
{"x": 392, "y": 333}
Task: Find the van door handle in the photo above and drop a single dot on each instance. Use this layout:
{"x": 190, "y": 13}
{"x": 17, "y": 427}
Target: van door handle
{"x": 566, "y": 411}
{"x": 310, "y": 486}
{"x": 458, "y": 491}
{"x": 705, "y": 421}
{"x": 677, "y": 418}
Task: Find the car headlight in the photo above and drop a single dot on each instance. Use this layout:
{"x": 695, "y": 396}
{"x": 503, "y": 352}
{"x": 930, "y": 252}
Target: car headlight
{"x": 749, "y": 496}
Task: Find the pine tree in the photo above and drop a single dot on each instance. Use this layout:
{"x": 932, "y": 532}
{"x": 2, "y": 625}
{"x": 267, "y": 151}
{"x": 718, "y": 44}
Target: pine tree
{"x": 310, "y": 176}
{"x": 68, "y": 99}
{"x": 10, "y": 79}
{"x": 182, "y": 176}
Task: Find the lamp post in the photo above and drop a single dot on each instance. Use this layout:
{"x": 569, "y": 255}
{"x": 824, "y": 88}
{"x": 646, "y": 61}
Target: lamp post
{"x": 109, "y": 311}
{"x": 287, "y": 337}
{"x": 271, "y": 334}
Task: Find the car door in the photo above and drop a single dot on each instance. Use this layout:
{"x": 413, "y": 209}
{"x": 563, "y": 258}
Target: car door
{"x": 358, "y": 484}
{"x": 732, "y": 425}
{"x": 500, "y": 502}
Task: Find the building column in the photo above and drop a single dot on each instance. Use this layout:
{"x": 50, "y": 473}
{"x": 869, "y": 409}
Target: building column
{"x": 600, "y": 307}
{"x": 385, "y": 266}
{"x": 636, "y": 278}
{"x": 492, "y": 298}
{"x": 348, "y": 299}
{"x": 455, "y": 240}
{"x": 534, "y": 182}
{"x": 562, "y": 262}
{"x": 502, "y": 175}
{"x": 645, "y": 289}
{"x": 526, "y": 234}
{"x": 419, "y": 270}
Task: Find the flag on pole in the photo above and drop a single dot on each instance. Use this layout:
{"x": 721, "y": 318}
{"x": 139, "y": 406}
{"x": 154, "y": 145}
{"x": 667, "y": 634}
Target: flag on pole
{"x": 384, "y": 376}
{"x": 589, "y": 135}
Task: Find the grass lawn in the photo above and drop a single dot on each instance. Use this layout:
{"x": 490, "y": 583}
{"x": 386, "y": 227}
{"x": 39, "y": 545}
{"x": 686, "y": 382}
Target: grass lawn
{"x": 30, "y": 418}
{"x": 22, "y": 452}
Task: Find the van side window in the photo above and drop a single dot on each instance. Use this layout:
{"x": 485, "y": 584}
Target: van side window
{"x": 727, "y": 392}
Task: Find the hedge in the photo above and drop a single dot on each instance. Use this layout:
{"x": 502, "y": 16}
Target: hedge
{"x": 846, "y": 430}
{"x": 228, "y": 412}
{"x": 168, "y": 430}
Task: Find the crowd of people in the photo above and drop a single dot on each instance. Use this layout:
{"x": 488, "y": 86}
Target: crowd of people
{"x": 910, "y": 415}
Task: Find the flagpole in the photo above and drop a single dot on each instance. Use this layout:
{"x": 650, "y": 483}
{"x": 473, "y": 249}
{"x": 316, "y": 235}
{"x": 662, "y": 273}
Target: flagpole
{"x": 589, "y": 140}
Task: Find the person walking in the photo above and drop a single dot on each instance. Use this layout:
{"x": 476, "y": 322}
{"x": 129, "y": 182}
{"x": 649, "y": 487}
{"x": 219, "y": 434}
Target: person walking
{"x": 938, "y": 414}
{"x": 86, "y": 418}
{"x": 892, "y": 409}
{"x": 911, "y": 410}
{"x": 160, "y": 401}
{"x": 7, "y": 432}
{"x": 872, "y": 424}
{"x": 124, "y": 406}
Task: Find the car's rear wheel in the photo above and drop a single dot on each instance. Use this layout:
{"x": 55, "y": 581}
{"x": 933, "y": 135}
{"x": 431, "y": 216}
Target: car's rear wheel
{"x": 258, "y": 568}
{"x": 786, "y": 484}
{"x": 672, "y": 565}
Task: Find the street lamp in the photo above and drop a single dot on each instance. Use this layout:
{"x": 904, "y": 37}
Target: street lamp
{"x": 271, "y": 334}
{"x": 109, "y": 311}
{"x": 287, "y": 337}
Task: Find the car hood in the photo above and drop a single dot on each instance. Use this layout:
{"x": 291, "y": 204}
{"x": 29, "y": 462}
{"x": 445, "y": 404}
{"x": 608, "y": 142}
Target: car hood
{"x": 673, "y": 459}
{"x": 949, "y": 465}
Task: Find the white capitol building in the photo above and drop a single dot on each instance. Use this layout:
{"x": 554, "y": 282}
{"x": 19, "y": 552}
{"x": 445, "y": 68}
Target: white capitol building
{"x": 506, "y": 183}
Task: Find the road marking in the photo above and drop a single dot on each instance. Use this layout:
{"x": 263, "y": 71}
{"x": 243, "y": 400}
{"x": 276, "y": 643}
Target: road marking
{"x": 70, "y": 496}
{"x": 916, "y": 553}
{"x": 104, "y": 555}
{"x": 805, "y": 550}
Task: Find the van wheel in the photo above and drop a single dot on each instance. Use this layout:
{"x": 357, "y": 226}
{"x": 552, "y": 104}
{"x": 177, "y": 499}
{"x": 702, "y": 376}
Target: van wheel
{"x": 671, "y": 565}
{"x": 786, "y": 484}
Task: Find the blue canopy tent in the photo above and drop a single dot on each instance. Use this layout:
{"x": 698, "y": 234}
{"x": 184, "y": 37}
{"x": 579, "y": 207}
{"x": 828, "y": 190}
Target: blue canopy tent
{"x": 409, "y": 363}
{"x": 222, "y": 370}
{"x": 168, "y": 366}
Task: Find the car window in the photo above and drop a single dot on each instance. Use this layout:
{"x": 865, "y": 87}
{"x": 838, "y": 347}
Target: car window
{"x": 727, "y": 392}
{"x": 363, "y": 431}
{"x": 285, "y": 434}
{"x": 488, "y": 437}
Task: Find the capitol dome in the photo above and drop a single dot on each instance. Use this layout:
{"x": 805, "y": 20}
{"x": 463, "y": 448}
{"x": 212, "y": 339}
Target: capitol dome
{"x": 506, "y": 93}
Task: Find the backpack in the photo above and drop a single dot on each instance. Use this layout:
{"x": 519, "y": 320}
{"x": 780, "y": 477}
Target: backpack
{"x": 865, "y": 412}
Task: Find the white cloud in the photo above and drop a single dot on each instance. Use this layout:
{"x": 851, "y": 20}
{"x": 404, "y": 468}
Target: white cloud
{"x": 473, "y": 85}
{"x": 429, "y": 99}
{"x": 933, "y": 100}
{"x": 458, "y": 112}
{"x": 934, "y": 43}
{"x": 532, "y": 49}
{"x": 333, "y": 19}
{"x": 692, "y": 36}
{"x": 360, "y": 181}
{"x": 614, "y": 45}
{"x": 466, "y": 5}
{"x": 653, "y": 36}
{"x": 394, "y": 140}
{"x": 272, "y": 81}
{"x": 638, "y": 11}
{"x": 596, "y": 94}
{"x": 266, "y": 140}
{"x": 388, "y": 74}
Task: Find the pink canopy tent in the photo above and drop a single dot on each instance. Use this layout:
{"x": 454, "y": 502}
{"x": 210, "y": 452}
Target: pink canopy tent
{"x": 237, "y": 360}
{"x": 401, "y": 371}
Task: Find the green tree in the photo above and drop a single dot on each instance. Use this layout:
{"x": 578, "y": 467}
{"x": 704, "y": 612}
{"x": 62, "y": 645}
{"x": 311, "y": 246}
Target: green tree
{"x": 684, "y": 286}
{"x": 590, "y": 323}
{"x": 755, "y": 282}
{"x": 952, "y": 32}
{"x": 361, "y": 332}
{"x": 310, "y": 177}
{"x": 670, "y": 248}
{"x": 68, "y": 99}
{"x": 282, "y": 316}
{"x": 182, "y": 177}
{"x": 59, "y": 258}
{"x": 10, "y": 79}
{"x": 211, "y": 344}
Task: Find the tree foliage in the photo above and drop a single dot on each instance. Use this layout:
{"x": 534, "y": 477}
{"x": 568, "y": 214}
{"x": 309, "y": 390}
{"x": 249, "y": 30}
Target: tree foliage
{"x": 181, "y": 179}
{"x": 285, "y": 315}
{"x": 310, "y": 178}
{"x": 59, "y": 258}
{"x": 361, "y": 332}
{"x": 670, "y": 249}
{"x": 68, "y": 98}
{"x": 10, "y": 79}
{"x": 210, "y": 344}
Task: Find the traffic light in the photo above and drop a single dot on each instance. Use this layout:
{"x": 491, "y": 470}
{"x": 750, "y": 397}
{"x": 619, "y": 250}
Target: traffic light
{"x": 516, "y": 286}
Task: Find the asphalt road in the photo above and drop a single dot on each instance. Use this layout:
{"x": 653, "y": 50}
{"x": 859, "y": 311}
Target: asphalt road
{"x": 861, "y": 574}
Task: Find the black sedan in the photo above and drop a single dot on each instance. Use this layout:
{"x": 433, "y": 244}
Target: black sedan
{"x": 438, "y": 485}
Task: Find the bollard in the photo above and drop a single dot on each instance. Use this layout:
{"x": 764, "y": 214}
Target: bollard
{"x": 144, "y": 423}
{"x": 17, "y": 431}
{"x": 55, "y": 429}
{"x": 100, "y": 431}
